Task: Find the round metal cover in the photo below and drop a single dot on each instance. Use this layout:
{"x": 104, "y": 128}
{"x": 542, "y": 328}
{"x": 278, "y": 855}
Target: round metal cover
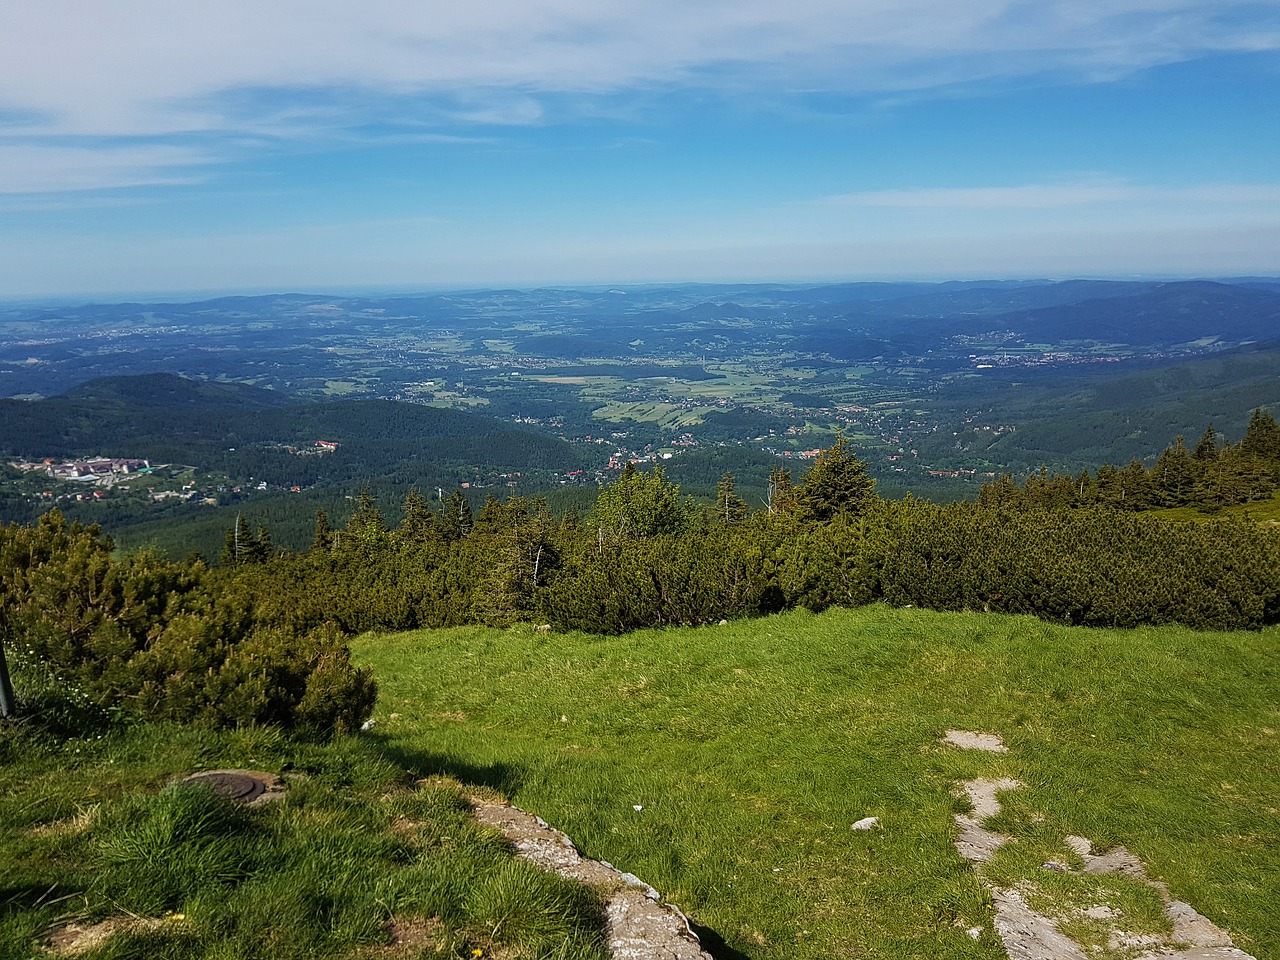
{"x": 230, "y": 786}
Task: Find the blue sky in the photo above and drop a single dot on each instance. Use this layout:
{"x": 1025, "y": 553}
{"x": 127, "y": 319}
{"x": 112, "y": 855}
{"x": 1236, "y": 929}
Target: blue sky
{"x": 168, "y": 145}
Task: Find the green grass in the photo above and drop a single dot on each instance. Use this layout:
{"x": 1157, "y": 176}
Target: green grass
{"x": 353, "y": 856}
{"x": 751, "y": 748}
{"x": 667, "y": 415}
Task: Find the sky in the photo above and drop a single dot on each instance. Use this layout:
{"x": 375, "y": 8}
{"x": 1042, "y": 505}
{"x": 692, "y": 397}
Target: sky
{"x": 151, "y": 146}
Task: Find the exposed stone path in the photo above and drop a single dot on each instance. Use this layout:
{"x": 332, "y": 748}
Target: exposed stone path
{"x": 640, "y": 926}
{"x": 1030, "y": 935}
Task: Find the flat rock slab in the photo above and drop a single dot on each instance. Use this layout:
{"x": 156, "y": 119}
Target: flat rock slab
{"x": 639, "y": 925}
{"x": 1028, "y": 935}
{"x": 239, "y": 786}
{"x": 1116, "y": 860}
{"x": 969, "y": 740}
{"x": 983, "y": 794}
{"x": 975, "y": 843}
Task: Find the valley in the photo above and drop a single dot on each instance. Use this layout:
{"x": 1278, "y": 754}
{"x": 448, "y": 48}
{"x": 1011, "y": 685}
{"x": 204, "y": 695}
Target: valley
{"x": 940, "y": 387}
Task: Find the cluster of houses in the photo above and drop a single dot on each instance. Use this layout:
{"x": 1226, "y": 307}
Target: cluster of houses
{"x": 100, "y": 470}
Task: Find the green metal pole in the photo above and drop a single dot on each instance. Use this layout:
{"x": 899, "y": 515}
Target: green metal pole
{"x": 8, "y": 702}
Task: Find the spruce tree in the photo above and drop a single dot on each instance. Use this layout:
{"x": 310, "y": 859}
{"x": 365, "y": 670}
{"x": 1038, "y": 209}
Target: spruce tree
{"x": 322, "y": 539}
{"x": 639, "y": 505}
{"x": 781, "y": 493}
{"x": 1262, "y": 440}
{"x": 365, "y": 529}
{"x": 1175, "y": 475}
{"x": 419, "y": 524}
{"x": 1207, "y": 447}
{"x": 729, "y": 506}
{"x": 239, "y": 546}
{"x": 455, "y": 516}
{"x": 836, "y": 485}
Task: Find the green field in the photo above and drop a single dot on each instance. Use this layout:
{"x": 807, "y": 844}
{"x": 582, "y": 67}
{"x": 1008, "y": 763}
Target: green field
{"x": 726, "y": 765}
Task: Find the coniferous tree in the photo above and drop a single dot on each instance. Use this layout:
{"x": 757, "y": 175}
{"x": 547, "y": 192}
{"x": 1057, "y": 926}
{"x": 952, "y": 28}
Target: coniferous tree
{"x": 1001, "y": 493}
{"x": 640, "y": 505}
{"x": 419, "y": 524}
{"x": 729, "y": 506}
{"x": 322, "y": 539}
{"x": 836, "y": 485}
{"x": 1234, "y": 477}
{"x": 1108, "y": 486}
{"x": 780, "y": 499}
{"x": 1262, "y": 440}
{"x": 455, "y": 516}
{"x": 262, "y": 547}
{"x": 1207, "y": 447}
{"x": 1086, "y": 489}
{"x": 1175, "y": 475}
{"x": 241, "y": 545}
{"x": 518, "y": 540}
{"x": 367, "y": 525}
{"x": 1135, "y": 487}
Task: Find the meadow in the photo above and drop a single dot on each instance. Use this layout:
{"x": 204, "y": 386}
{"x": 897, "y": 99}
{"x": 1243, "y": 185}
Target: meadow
{"x": 726, "y": 764}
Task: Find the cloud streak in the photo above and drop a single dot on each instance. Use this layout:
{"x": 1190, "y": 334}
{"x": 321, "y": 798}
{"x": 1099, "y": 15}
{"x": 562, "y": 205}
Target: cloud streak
{"x": 1051, "y": 196}
{"x": 166, "y": 68}
{"x": 37, "y": 168}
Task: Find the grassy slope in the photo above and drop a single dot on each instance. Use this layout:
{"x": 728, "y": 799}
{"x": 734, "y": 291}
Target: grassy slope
{"x": 89, "y": 831}
{"x": 753, "y": 747}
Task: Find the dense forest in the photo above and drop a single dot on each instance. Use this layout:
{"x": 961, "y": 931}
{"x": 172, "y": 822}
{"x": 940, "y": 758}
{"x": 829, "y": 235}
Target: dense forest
{"x": 262, "y": 636}
{"x": 1211, "y": 475}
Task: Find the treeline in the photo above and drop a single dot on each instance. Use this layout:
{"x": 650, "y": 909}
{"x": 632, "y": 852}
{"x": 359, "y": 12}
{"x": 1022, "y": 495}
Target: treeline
{"x": 262, "y": 636}
{"x": 647, "y": 556}
{"x": 1210, "y": 476}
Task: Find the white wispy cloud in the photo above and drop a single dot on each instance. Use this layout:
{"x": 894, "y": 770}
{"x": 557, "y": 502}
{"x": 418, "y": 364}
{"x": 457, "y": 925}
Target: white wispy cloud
{"x": 37, "y": 168}
{"x": 138, "y": 66}
{"x": 165, "y": 68}
{"x": 1048, "y": 196}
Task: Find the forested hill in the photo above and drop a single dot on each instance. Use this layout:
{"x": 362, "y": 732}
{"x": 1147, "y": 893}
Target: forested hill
{"x": 1172, "y": 313}
{"x": 1111, "y": 414}
{"x": 246, "y": 431}
{"x": 169, "y": 390}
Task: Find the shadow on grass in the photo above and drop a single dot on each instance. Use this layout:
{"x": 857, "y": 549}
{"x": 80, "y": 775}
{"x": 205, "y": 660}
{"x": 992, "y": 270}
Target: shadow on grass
{"x": 714, "y": 944}
{"x": 504, "y": 778}
{"x": 27, "y": 896}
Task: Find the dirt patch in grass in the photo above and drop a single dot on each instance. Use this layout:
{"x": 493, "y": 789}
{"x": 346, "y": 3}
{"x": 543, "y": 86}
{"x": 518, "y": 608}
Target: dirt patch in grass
{"x": 408, "y": 936}
{"x": 73, "y": 939}
{"x": 70, "y": 826}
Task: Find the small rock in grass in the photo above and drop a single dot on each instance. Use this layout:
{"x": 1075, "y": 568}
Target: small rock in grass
{"x": 866, "y": 823}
